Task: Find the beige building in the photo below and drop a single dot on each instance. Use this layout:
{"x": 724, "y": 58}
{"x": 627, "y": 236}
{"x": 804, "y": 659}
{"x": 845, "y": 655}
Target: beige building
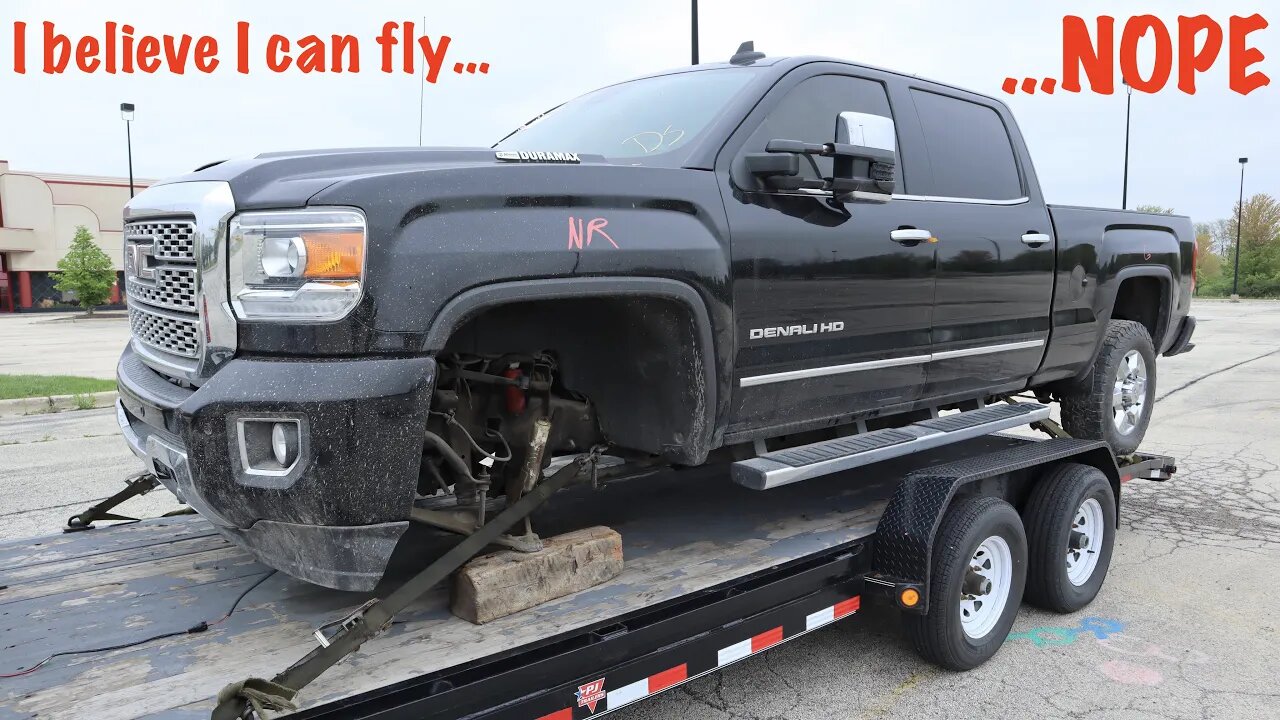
{"x": 39, "y": 213}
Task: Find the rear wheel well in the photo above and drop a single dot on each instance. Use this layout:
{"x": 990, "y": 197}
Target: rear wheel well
{"x": 638, "y": 359}
{"x": 1143, "y": 300}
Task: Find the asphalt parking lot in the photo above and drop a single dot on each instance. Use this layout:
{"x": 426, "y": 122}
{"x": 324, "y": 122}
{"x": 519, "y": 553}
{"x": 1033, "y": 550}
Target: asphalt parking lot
{"x": 62, "y": 344}
{"x": 1186, "y": 627}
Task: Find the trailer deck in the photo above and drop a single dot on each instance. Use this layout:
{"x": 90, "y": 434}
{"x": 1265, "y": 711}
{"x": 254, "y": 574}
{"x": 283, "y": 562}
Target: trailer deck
{"x": 706, "y": 561}
{"x": 682, "y": 533}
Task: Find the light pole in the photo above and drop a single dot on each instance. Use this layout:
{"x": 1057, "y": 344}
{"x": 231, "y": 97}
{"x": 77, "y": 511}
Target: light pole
{"x": 126, "y": 112}
{"x": 1128, "y": 107}
{"x": 695, "y": 32}
{"x": 1235, "y": 275}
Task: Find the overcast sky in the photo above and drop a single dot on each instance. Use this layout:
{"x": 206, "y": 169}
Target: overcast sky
{"x": 1183, "y": 155}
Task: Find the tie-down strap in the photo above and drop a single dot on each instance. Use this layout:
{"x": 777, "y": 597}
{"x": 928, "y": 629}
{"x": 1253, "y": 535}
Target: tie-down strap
{"x": 235, "y": 701}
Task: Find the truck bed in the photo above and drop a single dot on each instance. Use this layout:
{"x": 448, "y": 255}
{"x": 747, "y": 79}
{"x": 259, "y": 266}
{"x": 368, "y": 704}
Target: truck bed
{"x": 682, "y": 532}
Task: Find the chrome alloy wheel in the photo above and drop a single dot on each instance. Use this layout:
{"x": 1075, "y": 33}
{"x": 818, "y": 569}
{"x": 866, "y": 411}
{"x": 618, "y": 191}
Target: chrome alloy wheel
{"x": 1129, "y": 394}
{"x": 986, "y": 587}
{"x": 1088, "y": 529}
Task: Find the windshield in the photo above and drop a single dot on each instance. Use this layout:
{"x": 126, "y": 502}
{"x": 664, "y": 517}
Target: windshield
{"x": 651, "y": 121}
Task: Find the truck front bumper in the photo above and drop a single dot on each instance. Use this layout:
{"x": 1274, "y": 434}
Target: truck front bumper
{"x": 335, "y": 515}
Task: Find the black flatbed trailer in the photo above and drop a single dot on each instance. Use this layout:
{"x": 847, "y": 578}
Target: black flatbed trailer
{"x": 714, "y": 573}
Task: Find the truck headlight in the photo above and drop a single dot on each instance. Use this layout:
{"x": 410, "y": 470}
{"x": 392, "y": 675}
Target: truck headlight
{"x": 297, "y": 265}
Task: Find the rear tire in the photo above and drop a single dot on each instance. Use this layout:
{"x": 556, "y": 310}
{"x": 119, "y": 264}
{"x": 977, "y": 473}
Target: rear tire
{"x": 1114, "y": 401}
{"x": 966, "y": 626}
{"x": 1072, "y": 505}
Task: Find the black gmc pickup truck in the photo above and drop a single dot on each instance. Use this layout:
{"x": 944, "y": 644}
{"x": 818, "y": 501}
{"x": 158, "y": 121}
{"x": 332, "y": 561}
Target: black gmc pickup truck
{"x": 693, "y": 267}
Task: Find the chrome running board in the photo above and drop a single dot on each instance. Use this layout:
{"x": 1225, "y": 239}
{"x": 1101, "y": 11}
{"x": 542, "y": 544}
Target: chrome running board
{"x": 783, "y": 467}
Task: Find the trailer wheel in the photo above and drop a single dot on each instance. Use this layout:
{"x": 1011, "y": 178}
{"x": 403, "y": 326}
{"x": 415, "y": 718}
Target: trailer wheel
{"x": 1114, "y": 400}
{"x": 1070, "y": 520}
{"x": 979, "y": 569}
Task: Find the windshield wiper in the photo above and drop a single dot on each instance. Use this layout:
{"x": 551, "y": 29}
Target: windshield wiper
{"x": 513, "y": 132}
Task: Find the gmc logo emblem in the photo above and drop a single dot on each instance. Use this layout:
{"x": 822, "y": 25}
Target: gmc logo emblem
{"x": 137, "y": 260}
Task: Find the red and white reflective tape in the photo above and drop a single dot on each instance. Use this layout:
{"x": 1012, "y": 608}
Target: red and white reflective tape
{"x": 769, "y": 638}
{"x": 654, "y": 684}
{"x": 641, "y": 689}
{"x": 829, "y": 615}
{"x": 751, "y": 645}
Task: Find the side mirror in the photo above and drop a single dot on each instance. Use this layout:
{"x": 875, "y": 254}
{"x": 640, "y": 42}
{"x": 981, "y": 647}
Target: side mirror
{"x": 779, "y": 166}
{"x": 865, "y": 153}
{"x": 765, "y": 164}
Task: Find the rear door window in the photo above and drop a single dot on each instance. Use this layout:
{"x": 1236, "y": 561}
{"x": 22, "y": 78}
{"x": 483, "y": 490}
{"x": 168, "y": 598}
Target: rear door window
{"x": 969, "y": 149}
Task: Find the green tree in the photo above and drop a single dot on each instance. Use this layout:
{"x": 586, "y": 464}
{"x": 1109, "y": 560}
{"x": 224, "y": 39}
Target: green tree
{"x": 1155, "y": 209}
{"x": 1223, "y": 236}
{"x": 1208, "y": 262}
{"x": 86, "y": 271}
{"x": 1259, "y": 246}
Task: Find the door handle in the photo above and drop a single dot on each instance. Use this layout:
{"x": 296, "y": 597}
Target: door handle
{"x": 911, "y": 236}
{"x": 1035, "y": 239}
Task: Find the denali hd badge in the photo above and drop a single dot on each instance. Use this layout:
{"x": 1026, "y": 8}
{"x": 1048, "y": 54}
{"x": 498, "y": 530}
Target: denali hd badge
{"x": 539, "y": 156}
{"x": 788, "y": 331}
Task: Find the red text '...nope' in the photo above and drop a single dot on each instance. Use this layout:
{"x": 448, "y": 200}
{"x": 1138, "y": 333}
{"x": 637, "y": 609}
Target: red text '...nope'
{"x": 1190, "y": 47}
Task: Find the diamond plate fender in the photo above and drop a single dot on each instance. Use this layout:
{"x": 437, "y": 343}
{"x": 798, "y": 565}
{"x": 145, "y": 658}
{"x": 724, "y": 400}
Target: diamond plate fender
{"x": 905, "y": 536}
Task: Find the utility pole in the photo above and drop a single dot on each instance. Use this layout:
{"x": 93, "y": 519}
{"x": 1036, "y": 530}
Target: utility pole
{"x": 695, "y": 32}
{"x": 1235, "y": 276}
{"x": 1128, "y": 109}
{"x": 126, "y": 114}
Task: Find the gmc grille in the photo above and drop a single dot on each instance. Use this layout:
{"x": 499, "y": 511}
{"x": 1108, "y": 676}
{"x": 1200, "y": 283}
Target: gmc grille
{"x": 174, "y": 335}
{"x": 161, "y": 284}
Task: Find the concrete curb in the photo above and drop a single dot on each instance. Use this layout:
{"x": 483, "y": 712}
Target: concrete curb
{"x": 57, "y": 403}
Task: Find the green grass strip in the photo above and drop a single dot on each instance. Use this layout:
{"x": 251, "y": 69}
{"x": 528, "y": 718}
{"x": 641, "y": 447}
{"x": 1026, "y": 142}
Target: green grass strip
{"x": 29, "y": 386}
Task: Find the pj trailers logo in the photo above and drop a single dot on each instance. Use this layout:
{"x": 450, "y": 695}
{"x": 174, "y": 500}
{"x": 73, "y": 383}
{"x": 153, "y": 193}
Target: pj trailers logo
{"x": 591, "y": 694}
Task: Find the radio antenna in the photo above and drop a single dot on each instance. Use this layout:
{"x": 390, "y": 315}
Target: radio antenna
{"x": 422, "y": 93}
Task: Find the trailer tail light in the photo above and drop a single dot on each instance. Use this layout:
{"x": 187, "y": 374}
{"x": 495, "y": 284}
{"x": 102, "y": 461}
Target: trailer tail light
{"x": 909, "y": 597}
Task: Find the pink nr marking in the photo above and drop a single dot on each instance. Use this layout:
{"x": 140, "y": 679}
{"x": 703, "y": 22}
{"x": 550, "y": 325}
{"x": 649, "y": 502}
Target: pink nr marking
{"x": 580, "y": 237}
{"x": 597, "y": 226}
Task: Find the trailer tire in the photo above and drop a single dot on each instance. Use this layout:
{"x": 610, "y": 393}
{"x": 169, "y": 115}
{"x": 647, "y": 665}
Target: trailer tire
{"x": 1123, "y": 376}
{"x": 972, "y": 526}
{"x": 1072, "y": 503}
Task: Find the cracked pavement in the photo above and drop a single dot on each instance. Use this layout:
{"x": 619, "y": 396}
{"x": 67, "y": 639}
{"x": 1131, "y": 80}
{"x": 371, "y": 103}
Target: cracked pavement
{"x": 1186, "y": 626}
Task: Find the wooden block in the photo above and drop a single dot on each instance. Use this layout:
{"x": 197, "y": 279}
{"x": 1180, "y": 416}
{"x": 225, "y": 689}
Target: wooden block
{"x": 506, "y": 582}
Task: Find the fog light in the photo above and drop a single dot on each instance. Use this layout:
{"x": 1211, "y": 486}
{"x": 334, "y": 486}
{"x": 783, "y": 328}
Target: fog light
{"x": 270, "y": 447}
{"x": 284, "y": 443}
